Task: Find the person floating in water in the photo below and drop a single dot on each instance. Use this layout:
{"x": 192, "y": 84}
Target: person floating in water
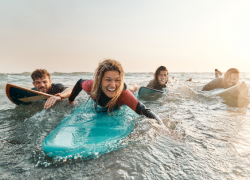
{"x": 43, "y": 83}
{"x": 231, "y": 78}
{"x": 190, "y": 79}
{"x": 109, "y": 90}
{"x": 160, "y": 78}
{"x": 217, "y": 73}
{"x": 173, "y": 79}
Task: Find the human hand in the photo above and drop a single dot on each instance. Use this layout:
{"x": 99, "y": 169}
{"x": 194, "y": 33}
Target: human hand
{"x": 133, "y": 87}
{"x": 71, "y": 103}
{"x": 51, "y": 101}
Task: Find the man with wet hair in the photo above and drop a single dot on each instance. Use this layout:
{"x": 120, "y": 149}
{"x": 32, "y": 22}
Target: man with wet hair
{"x": 43, "y": 83}
{"x": 230, "y": 78}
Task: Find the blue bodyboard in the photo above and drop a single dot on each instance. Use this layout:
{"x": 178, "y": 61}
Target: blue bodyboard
{"x": 23, "y": 96}
{"x": 145, "y": 91}
{"x": 87, "y": 134}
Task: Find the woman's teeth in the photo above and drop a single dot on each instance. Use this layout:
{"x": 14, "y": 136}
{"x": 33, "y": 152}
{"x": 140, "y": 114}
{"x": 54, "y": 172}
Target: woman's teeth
{"x": 111, "y": 89}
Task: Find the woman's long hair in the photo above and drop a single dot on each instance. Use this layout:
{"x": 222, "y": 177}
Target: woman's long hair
{"x": 227, "y": 75}
{"x": 157, "y": 72}
{"x": 104, "y": 66}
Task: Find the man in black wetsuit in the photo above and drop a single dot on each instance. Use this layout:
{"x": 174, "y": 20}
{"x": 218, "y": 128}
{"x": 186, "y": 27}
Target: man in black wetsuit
{"x": 43, "y": 83}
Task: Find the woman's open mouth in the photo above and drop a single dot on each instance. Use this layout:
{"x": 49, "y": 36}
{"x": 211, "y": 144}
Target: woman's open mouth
{"x": 111, "y": 90}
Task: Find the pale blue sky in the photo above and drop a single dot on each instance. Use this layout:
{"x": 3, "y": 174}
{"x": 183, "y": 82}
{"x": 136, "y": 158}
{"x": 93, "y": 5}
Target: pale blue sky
{"x": 73, "y": 36}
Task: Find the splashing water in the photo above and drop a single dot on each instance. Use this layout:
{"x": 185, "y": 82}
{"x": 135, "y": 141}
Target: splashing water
{"x": 205, "y": 138}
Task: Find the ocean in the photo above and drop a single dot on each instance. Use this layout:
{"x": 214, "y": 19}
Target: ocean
{"x": 210, "y": 138}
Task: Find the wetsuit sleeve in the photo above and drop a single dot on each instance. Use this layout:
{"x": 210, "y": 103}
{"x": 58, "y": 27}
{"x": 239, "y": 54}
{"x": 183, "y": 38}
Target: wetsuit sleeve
{"x": 127, "y": 98}
{"x": 214, "y": 84}
{"x": 76, "y": 90}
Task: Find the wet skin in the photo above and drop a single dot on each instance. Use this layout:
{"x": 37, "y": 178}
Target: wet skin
{"x": 44, "y": 85}
{"x": 232, "y": 79}
{"x": 162, "y": 77}
{"x": 111, "y": 81}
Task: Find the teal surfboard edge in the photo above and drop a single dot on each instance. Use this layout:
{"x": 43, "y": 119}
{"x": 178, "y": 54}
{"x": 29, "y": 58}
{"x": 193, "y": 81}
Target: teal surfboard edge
{"x": 87, "y": 134}
{"x": 149, "y": 93}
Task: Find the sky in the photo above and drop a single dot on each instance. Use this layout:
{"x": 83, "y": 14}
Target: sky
{"x": 75, "y": 35}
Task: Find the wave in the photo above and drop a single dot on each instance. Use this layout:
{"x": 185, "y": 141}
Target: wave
{"x": 2, "y": 86}
{"x": 23, "y": 73}
{"x": 3, "y": 74}
{"x": 71, "y": 73}
{"x": 139, "y": 73}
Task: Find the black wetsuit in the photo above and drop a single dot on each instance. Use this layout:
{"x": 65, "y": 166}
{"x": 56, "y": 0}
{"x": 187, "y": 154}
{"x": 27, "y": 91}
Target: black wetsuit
{"x": 55, "y": 88}
{"x": 156, "y": 85}
{"x": 214, "y": 84}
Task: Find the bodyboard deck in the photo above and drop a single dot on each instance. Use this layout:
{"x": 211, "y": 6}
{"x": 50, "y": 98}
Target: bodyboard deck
{"x": 147, "y": 92}
{"x": 87, "y": 134}
{"x": 23, "y": 96}
{"x": 240, "y": 91}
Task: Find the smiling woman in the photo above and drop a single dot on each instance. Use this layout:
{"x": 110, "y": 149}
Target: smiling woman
{"x": 160, "y": 78}
{"x": 110, "y": 82}
{"x": 109, "y": 90}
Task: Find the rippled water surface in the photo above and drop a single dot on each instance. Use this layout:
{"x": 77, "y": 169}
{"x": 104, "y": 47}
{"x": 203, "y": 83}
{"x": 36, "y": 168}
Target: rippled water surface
{"x": 210, "y": 140}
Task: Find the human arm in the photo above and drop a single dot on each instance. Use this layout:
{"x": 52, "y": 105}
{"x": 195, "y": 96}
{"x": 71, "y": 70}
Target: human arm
{"x": 134, "y": 87}
{"x": 127, "y": 98}
{"x": 58, "y": 97}
{"x": 143, "y": 110}
{"x": 76, "y": 90}
{"x": 214, "y": 84}
{"x": 84, "y": 84}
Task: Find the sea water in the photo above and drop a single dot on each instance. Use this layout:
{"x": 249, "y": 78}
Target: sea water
{"x": 210, "y": 137}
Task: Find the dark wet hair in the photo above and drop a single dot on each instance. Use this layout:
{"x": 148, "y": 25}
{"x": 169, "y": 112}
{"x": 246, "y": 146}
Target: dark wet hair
{"x": 158, "y": 70}
{"x": 40, "y": 73}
